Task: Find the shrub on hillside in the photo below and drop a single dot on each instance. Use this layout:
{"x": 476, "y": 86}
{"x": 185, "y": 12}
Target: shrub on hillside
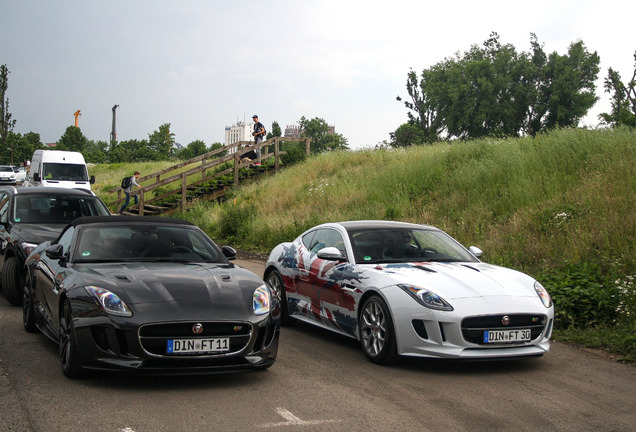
{"x": 583, "y": 296}
{"x": 234, "y": 220}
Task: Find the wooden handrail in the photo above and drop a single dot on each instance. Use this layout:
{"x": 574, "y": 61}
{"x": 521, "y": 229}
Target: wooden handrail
{"x": 242, "y": 147}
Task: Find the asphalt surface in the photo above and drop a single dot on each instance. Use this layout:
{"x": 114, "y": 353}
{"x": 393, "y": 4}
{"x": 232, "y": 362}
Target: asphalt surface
{"x": 321, "y": 382}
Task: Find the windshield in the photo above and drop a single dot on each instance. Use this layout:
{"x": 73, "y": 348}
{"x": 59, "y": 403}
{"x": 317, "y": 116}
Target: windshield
{"x": 143, "y": 242}
{"x": 6, "y": 169}
{"x": 388, "y": 245}
{"x": 43, "y": 209}
{"x": 63, "y": 171}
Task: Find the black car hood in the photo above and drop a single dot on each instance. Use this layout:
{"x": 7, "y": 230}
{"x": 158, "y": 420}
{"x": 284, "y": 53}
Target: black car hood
{"x": 38, "y": 233}
{"x": 148, "y": 282}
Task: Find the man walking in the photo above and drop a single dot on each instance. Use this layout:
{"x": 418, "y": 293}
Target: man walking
{"x": 259, "y": 135}
{"x": 128, "y": 189}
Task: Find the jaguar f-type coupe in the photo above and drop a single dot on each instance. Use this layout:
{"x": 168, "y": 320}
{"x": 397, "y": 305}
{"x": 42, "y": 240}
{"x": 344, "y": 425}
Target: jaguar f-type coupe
{"x": 409, "y": 289}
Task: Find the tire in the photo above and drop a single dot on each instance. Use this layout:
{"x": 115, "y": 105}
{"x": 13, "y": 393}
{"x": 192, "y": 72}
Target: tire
{"x": 11, "y": 281}
{"x": 377, "y": 333}
{"x": 28, "y": 311}
{"x": 275, "y": 281}
{"x": 69, "y": 356}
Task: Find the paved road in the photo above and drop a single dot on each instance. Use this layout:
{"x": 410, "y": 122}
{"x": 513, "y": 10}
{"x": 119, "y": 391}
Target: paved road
{"x": 321, "y": 382}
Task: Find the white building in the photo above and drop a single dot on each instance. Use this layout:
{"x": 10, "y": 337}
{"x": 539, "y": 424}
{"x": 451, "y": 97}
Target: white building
{"x": 241, "y": 131}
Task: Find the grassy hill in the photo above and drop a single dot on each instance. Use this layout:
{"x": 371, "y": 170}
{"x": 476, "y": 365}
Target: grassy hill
{"x": 561, "y": 207}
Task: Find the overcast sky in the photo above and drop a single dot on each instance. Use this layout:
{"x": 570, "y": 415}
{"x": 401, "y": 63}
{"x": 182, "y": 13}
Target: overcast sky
{"x": 203, "y": 65}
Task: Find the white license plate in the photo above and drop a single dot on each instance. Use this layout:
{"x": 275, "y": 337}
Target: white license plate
{"x": 213, "y": 345}
{"x": 502, "y": 336}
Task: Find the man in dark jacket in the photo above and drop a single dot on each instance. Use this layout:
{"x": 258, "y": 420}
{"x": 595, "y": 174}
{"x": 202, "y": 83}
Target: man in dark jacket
{"x": 133, "y": 182}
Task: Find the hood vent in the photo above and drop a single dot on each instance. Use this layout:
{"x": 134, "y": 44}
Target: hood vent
{"x": 122, "y": 277}
{"x": 472, "y": 268}
{"x": 420, "y": 267}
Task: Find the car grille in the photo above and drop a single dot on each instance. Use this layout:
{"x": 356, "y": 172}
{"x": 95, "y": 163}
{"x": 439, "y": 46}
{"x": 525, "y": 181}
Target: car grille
{"x": 473, "y": 327}
{"x": 154, "y": 337}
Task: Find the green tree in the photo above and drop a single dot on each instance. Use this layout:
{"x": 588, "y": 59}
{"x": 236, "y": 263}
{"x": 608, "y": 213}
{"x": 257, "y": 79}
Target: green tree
{"x": 194, "y": 149}
{"x": 215, "y": 146}
{"x": 72, "y": 140}
{"x": 96, "y": 152}
{"x": 161, "y": 143}
{"x": 493, "y": 90}
{"x": 572, "y": 90}
{"x": 322, "y": 138}
{"x": 130, "y": 151}
{"x": 276, "y": 131}
{"x": 23, "y": 145}
{"x": 6, "y": 123}
{"x": 406, "y": 135}
{"x": 423, "y": 112}
{"x": 623, "y": 99}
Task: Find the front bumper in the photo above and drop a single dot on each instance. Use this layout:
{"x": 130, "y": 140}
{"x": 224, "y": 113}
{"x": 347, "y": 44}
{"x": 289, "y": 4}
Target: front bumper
{"x": 424, "y": 332}
{"x": 120, "y": 345}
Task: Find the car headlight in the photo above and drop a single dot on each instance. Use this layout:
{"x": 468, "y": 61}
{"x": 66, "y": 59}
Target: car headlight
{"x": 260, "y": 300}
{"x": 28, "y": 247}
{"x": 426, "y": 297}
{"x": 109, "y": 302}
{"x": 543, "y": 294}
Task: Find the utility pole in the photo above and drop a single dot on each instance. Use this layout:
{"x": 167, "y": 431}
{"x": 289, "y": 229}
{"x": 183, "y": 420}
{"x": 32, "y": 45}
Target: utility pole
{"x": 113, "y": 134}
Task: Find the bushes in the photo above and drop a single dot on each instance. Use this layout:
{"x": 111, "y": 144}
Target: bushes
{"x": 583, "y": 296}
{"x": 234, "y": 220}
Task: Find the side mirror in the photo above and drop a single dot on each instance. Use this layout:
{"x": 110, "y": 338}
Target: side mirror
{"x": 229, "y": 252}
{"x": 55, "y": 252}
{"x": 36, "y": 177}
{"x": 475, "y": 251}
{"x": 330, "y": 254}
{"x": 92, "y": 179}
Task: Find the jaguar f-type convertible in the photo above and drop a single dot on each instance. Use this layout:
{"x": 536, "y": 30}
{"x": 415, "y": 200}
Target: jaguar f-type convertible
{"x": 149, "y": 295}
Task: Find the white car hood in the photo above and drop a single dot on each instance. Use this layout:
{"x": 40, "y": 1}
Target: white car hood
{"x": 456, "y": 280}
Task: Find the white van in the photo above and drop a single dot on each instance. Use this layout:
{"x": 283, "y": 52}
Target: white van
{"x": 59, "y": 168}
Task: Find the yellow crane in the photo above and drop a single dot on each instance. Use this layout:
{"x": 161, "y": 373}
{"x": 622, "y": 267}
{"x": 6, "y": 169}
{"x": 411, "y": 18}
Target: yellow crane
{"x": 76, "y": 114}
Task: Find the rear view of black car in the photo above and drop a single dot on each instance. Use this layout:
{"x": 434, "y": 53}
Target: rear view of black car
{"x": 30, "y": 216}
{"x": 151, "y": 296}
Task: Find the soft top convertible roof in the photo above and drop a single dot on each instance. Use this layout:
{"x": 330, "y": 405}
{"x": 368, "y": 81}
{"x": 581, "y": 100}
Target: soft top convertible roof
{"x": 123, "y": 220}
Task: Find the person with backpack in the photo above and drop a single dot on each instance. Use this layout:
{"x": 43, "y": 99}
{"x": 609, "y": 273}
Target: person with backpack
{"x": 259, "y": 135}
{"x": 126, "y": 184}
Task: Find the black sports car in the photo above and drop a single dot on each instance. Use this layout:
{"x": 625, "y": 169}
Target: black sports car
{"x": 150, "y": 295}
{"x": 30, "y": 216}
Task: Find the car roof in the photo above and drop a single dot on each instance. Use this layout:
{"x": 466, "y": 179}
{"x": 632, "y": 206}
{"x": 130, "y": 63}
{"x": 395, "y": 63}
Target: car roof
{"x": 42, "y": 190}
{"x": 124, "y": 220}
{"x": 381, "y": 224}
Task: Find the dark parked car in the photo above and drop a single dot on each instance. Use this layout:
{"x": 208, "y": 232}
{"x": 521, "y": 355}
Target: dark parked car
{"x": 30, "y": 216}
{"x": 154, "y": 295}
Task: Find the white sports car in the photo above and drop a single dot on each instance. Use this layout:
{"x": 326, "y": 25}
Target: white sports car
{"x": 408, "y": 289}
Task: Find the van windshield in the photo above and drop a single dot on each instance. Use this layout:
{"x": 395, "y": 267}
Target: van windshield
{"x": 63, "y": 171}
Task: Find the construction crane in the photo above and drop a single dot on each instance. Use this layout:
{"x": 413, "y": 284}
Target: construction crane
{"x": 76, "y": 114}
{"x": 113, "y": 134}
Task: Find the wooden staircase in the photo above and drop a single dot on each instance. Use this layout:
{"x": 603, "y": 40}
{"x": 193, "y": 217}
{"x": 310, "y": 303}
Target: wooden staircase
{"x": 200, "y": 179}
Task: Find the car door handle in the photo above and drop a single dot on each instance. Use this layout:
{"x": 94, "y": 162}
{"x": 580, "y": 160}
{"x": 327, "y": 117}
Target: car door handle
{"x": 348, "y": 287}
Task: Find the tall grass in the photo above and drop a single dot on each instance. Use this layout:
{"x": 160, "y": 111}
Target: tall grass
{"x": 528, "y": 202}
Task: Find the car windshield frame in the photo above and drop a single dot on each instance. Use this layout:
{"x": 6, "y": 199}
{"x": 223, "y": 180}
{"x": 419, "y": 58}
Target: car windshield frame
{"x": 143, "y": 242}
{"x": 43, "y": 208}
{"x": 383, "y": 245}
